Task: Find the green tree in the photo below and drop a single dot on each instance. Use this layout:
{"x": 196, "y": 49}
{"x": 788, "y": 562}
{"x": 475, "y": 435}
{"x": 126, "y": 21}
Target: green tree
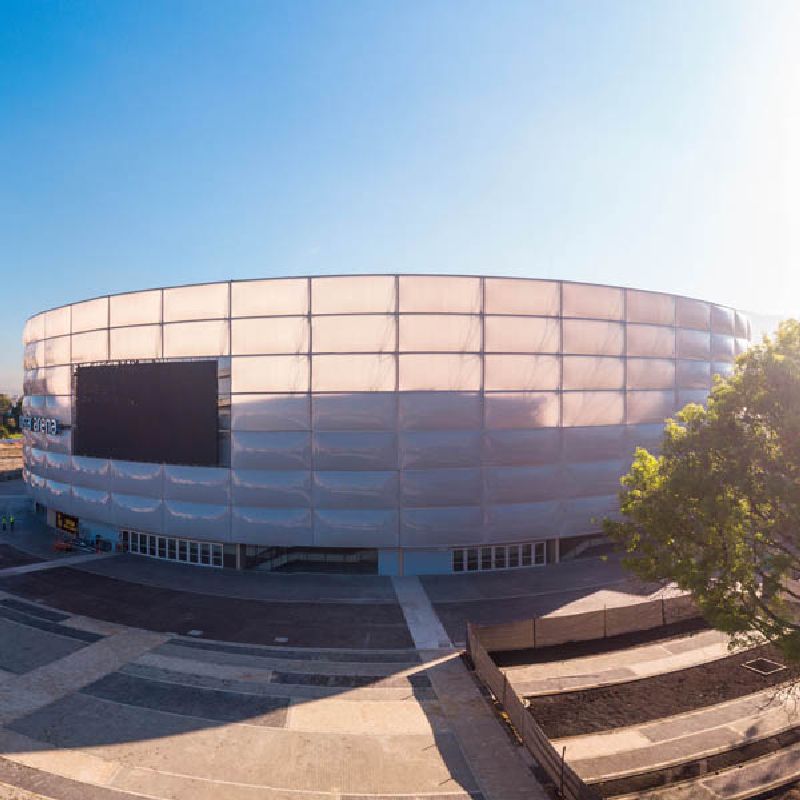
{"x": 718, "y": 511}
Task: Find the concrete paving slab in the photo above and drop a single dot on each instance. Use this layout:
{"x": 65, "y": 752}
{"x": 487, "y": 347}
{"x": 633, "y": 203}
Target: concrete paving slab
{"x": 260, "y": 682}
{"x": 219, "y": 705}
{"x": 425, "y": 627}
{"x": 276, "y": 758}
{"x": 23, "y": 648}
{"x": 41, "y": 686}
{"x": 385, "y": 718}
{"x": 498, "y": 765}
{"x": 67, "y": 561}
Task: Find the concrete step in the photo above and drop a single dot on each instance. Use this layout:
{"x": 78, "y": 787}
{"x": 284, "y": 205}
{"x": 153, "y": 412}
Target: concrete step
{"x": 741, "y": 782}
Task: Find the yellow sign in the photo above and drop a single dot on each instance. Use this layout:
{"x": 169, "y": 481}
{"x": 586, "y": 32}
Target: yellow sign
{"x": 66, "y": 522}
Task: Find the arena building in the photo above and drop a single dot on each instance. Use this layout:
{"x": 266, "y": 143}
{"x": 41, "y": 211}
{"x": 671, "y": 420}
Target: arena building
{"x": 398, "y": 424}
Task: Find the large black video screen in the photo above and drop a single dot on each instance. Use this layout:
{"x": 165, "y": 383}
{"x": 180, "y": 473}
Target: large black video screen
{"x": 158, "y": 412}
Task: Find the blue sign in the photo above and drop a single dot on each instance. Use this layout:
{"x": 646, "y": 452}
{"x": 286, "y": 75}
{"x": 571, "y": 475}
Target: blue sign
{"x": 41, "y": 425}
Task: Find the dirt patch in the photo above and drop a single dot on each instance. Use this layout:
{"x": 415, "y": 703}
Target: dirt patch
{"x": 640, "y": 701}
{"x": 594, "y": 647}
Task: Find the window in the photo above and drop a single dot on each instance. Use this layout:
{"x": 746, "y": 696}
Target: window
{"x": 169, "y": 548}
{"x": 501, "y": 556}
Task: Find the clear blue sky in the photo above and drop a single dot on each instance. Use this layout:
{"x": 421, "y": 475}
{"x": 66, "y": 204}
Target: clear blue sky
{"x": 654, "y": 144}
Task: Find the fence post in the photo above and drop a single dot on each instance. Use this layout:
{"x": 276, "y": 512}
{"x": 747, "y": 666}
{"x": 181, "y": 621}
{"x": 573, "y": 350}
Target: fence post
{"x": 563, "y": 755}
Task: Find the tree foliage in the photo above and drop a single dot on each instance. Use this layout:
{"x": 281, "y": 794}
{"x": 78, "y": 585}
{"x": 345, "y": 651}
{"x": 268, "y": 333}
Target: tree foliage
{"x": 718, "y": 511}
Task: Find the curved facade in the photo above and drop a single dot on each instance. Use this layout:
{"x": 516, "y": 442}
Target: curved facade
{"x": 438, "y": 422}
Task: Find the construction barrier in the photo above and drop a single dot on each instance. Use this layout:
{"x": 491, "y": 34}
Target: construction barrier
{"x": 564, "y": 778}
{"x": 588, "y": 625}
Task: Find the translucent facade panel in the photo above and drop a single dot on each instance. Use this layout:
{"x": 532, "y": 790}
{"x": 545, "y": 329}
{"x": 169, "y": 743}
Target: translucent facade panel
{"x": 207, "y": 301}
{"x": 197, "y": 484}
{"x": 57, "y": 322}
{"x": 60, "y": 492}
{"x": 259, "y": 336}
{"x": 57, "y": 466}
{"x": 430, "y": 449}
{"x": 592, "y": 478}
{"x": 522, "y": 335}
{"x": 264, "y": 412}
{"x": 595, "y": 444}
{"x": 59, "y": 380}
{"x": 92, "y": 472}
{"x": 59, "y": 407}
{"x": 33, "y": 355}
{"x": 692, "y": 313}
{"x": 440, "y": 293}
{"x": 355, "y": 489}
{"x": 371, "y": 411}
{"x": 522, "y": 410}
{"x": 650, "y": 373}
{"x": 353, "y": 293}
{"x": 269, "y": 374}
{"x": 272, "y": 526}
{"x": 741, "y": 325}
{"x": 34, "y": 329}
{"x": 648, "y": 436}
{"x": 354, "y": 450}
{"x": 357, "y": 333}
{"x": 722, "y": 368}
{"x": 271, "y": 488}
{"x": 694, "y": 374}
{"x": 723, "y": 347}
{"x": 522, "y": 521}
{"x": 355, "y": 528}
{"x": 205, "y": 521}
{"x": 92, "y": 503}
{"x": 133, "y": 478}
{"x": 440, "y": 487}
{"x": 588, "y": 372}
{"x": 90, "y": 315}
{"x": 440, "y": 372}
{"x": 592, "y": 338}
{"x": 136, "y": 308}
{"x": 593, "y": 408}
{"x": 208, "y": 338}
{"x": 448, "y": 526}
{"x": 577, "y": 515}
{"x": 740, "y": 345}
{"x": 699, "y": 396}
{"x": 657, "y": 309}
{"x": 693, "y": 344}
{"x": 57, "y": 351}
{"x": 521, "y": 447}
{"x": 723, "y": 320}
{"x": 143, "y": 341}
{"x": 650, "y": 406}
{"x": 437, "y": 333}
{"x": 522, "y": 484}
{"x": 650, "y": 340}
{"x": 60, "y": 443}
{"x": 353, "y": 373}
{"x": 140, "y": 513}
{"x": 433, "y": 411}
{"x": 90, "y": 346}
{"x": 594, "y": 302}
{"x": 34, "y": 381}
{"x": 522, "y": 372}
{"x": 517, "y": 296}
{"x": 269, "y": 298}
{"x": 269, "y": 451}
